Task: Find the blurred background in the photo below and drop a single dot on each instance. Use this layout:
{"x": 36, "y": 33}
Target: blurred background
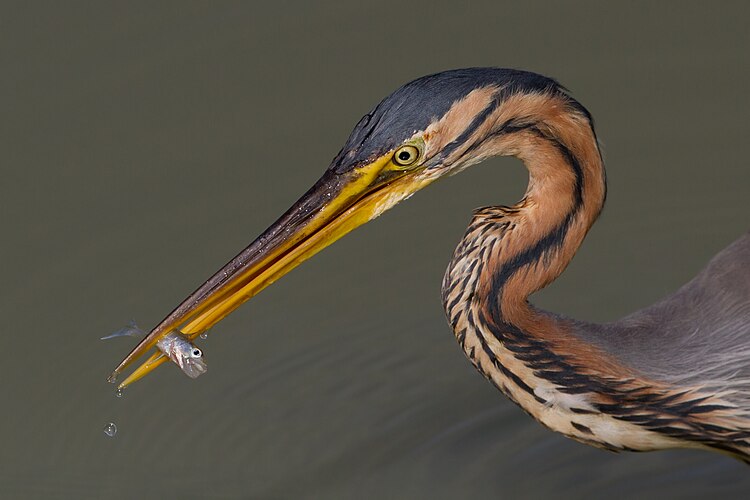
{"x": 145, "y": 144}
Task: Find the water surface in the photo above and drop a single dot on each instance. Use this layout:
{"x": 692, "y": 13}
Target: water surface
{"x": 142, "y": 147}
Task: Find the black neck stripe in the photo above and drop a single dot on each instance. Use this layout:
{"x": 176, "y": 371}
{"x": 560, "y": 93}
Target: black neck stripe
{"x": 473, "y": 126}
{"x": 553, "y": 240}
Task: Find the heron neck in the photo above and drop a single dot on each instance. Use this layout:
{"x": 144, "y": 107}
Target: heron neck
{"x": 521, "y": 249}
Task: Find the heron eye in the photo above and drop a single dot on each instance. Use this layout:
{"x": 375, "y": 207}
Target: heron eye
{"x": 197, "y": 353}
{"x": 406, "y": 155}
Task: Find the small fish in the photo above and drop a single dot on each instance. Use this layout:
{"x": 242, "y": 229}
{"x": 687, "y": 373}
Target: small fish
{"x": 184, "y": 353}
{"x": 176, "y": 346}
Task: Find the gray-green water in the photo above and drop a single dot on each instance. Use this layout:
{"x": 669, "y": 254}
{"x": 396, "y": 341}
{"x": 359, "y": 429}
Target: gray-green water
{"x": 144, "y": 145}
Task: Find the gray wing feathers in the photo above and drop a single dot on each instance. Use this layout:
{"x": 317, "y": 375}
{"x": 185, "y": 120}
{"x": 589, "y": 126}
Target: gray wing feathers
{"x": 698, "y": 336}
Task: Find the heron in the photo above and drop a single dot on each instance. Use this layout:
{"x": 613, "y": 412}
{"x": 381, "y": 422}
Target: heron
{"x": 675, "y": 374}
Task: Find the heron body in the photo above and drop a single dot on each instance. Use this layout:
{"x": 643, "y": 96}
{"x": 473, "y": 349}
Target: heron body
{"x": 676, "y": 374}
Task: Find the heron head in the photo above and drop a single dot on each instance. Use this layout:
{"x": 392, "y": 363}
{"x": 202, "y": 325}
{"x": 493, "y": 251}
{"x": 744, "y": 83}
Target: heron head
{"x": 433, "y": 126}
{"x": 428, "y": 128}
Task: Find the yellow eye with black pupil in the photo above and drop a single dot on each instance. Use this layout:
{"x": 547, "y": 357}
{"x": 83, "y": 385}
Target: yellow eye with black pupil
{"x": 406, "y": 155}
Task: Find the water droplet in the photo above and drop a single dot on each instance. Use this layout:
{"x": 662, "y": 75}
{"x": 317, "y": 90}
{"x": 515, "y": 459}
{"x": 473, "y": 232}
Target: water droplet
{"x": 120, "y": 393}
{"x": 110, "y": 429}
{"x": 204, "y": 335}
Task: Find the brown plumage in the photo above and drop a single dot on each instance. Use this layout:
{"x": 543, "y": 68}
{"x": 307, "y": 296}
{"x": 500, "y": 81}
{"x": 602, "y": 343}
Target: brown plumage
{"x": 534, "y": 357}
{"x": 676, "y": 374}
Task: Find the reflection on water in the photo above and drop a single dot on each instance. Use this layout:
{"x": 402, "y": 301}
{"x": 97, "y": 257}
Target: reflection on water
{"x": 143, "y": 151}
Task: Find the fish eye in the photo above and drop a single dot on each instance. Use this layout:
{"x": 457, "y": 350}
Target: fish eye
{"x": 197, "y": 353}
{"x": 406, "y": 155}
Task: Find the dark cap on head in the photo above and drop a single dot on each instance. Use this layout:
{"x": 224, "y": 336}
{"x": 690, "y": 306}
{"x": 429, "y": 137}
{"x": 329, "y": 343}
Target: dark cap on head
{"x": 415, "y": 105}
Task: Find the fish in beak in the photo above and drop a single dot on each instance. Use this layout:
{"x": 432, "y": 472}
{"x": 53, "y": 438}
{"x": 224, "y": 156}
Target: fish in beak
{"x": 349, "y": 194}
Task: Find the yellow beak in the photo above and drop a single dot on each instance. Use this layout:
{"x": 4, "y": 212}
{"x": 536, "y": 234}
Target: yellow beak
{"x": 335, "y": 205}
